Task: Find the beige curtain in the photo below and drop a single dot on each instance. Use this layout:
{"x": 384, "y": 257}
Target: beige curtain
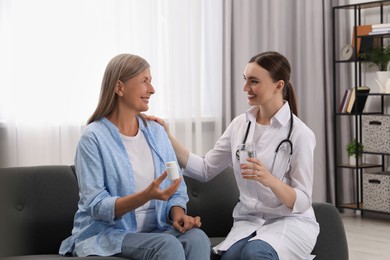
{"x": 299, "y": 29}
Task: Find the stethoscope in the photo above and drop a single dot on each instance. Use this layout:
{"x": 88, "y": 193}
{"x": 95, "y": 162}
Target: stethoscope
{"x": 284, "y": 141}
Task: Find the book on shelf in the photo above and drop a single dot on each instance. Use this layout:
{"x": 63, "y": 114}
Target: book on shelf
{"x": 344, "y": 101}
{"x": 380, "y": 25}
{"x": 382, "y": 30}
{"x": 362, "y": 44}
{"x": 358, "y": 99}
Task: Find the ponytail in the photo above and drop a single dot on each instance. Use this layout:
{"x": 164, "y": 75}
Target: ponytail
{"x": 289, "y": 95}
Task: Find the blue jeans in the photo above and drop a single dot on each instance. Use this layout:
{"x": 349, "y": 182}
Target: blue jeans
{"x": 250, "y": 250}
{"x": 168, "y": 244}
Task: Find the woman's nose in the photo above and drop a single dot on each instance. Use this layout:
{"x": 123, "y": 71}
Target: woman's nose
{"x": 151, "y": 89}
{"x": 246, "y": 87}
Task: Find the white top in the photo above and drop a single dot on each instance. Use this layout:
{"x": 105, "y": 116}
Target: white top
{"x": 259, "y": 131}
{"x": 291, "y": 232}
{"x": 141, "y": 161}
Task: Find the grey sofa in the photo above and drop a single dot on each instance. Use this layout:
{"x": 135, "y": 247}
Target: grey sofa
{"x": 38, "y": 204}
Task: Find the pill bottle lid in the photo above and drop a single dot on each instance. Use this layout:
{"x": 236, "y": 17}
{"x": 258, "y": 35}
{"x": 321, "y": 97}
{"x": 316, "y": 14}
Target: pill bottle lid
{"x": 171, "y": 164}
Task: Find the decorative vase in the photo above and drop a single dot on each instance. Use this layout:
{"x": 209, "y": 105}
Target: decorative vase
{"x": 383, "y": 80}
{"x": 352, "y": 160}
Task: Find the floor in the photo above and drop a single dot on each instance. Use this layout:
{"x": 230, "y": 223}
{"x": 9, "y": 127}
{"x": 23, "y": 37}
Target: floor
{"x": 368, "y": 235}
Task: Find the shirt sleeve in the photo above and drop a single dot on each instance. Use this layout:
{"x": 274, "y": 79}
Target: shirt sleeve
{"x": 94, "y": 197}
{"x": 302, "y": 170}
{"x": 216, "y": 160}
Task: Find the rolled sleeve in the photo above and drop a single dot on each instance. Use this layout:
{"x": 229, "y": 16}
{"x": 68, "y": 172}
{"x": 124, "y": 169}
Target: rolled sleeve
{"x": 94, "y": 196}
{"x": 105, "y": 209}
{"x": 302, "y": 173}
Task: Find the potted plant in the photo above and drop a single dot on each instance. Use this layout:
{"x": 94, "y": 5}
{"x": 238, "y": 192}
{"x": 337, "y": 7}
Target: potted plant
{"x": 354, "y": 148}
{"x": 379, "y": 57}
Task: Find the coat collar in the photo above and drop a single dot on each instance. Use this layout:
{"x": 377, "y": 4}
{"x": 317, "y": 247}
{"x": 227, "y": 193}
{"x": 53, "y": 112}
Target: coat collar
{"x": 282, "y": 115}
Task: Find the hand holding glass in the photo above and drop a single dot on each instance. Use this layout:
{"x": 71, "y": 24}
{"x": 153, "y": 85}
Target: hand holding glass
{"x": 246, "y": 151}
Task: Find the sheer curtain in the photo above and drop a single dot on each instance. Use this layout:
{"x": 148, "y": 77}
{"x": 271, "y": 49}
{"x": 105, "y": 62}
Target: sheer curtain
{"x": 53, "y": 55}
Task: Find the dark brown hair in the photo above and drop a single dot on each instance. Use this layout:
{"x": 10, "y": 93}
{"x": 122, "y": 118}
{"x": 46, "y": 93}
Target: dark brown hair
{"x": 279, "y": 68}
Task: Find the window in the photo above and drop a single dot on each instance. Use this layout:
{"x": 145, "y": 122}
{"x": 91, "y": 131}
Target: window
{"x": 53, "y": 55}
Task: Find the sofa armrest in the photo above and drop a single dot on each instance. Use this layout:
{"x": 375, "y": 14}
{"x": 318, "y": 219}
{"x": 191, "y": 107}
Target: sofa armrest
{"x": 332, "y": 241}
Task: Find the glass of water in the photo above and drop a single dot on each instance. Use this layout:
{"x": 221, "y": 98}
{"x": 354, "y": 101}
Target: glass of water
{"x": 245, "y": 151}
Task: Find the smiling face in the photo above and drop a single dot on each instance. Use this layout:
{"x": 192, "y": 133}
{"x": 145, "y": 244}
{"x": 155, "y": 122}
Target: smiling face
{"x": 260, "y": 87}
{"x": 134, "y": 93}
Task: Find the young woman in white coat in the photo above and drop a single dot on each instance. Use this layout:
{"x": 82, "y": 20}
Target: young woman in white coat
{"x": 274, "y": 218}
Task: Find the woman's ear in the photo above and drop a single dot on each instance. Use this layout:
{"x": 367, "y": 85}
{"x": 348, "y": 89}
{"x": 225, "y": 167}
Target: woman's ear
{"x": 280, "y": 85}
{"x": 119, "y": 88}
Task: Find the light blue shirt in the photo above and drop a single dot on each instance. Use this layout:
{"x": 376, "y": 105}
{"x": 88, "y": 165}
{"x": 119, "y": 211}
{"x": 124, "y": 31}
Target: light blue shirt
{"x": 104, "y": 174}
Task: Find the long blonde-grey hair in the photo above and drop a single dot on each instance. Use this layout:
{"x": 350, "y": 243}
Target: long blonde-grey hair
{"x": 122, "y": 67}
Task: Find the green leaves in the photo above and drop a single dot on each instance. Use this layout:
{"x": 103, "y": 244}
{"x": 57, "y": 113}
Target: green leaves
{"x": 377, "y": 56}
{"x": 352, "y": 149}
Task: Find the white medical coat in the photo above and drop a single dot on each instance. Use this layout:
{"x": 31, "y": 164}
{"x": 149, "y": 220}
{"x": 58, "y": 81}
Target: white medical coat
{"x": 291, "y": 232}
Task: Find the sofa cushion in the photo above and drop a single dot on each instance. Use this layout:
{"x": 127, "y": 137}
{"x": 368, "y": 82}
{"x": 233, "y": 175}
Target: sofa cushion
{"x": 214, "y": 202}
{"x": 59, "y": 257}
{"x": 38, "y": 210}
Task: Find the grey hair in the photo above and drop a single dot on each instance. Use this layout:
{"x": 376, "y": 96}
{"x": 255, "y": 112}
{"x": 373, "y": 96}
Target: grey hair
{"x": 122, "y": 67}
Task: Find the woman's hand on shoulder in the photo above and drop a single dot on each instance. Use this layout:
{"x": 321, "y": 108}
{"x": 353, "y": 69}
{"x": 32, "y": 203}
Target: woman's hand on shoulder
{"x": 158, "y": 120}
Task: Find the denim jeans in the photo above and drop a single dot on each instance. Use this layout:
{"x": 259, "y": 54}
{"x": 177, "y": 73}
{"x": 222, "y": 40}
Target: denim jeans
{"x": 165, "y": 245}
{"x": 250, "y": 250}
